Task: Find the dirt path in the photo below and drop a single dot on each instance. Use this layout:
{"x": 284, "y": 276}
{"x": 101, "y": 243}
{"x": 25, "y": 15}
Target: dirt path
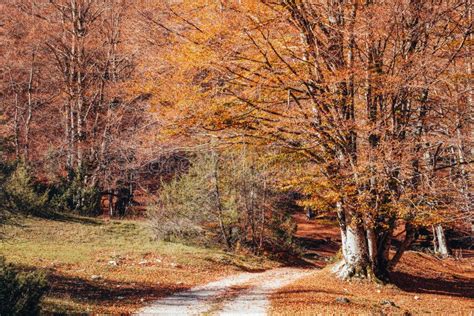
{"x": 245, "y": 293}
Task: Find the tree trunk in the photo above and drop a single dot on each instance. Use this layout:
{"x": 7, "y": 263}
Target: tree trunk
{"x": 440, "y": 237}
{"x": 220, "y": 211}
{"x": 435, "y": 241}
{"x": 470, "y": 102}
{"x": 372, "y": 244}
{"x": 111, "y": 203}
{"x": 17, "y": 128}
{"x": 29, "y": 110}
{"x": 355, "y": 253}
{"x": 355, "y": 261}
{"x": 410, "y": 237}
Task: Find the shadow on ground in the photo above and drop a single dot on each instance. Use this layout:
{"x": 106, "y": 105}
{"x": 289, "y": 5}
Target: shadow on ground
{"x": 456, "y": 286}
{"x": 107, "y": 293}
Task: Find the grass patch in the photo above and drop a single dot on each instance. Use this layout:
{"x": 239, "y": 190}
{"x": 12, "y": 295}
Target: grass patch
{"x": 112, "y": 266}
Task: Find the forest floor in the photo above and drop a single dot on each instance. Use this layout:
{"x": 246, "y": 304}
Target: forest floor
{"x": 115, "y": 266}
{"x": 422, "y": 283}
{"x": 112, "y": 267}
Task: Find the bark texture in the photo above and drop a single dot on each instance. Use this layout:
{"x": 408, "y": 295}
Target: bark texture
{"x": 365, "y": 247}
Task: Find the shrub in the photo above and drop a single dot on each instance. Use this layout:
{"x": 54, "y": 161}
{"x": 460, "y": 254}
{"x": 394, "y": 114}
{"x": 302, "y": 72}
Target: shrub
{"x": 223, "y": 199}
{"x": 5, "y": 171}
{"x": 20, "y": 293}
{"x": 22, "y": 192}
{"x": 70, "y": 194}
{"x": 185, "y": 206}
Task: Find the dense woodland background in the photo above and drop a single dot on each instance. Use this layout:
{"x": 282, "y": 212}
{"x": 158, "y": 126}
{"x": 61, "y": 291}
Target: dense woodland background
{"x": 219, "y": 119}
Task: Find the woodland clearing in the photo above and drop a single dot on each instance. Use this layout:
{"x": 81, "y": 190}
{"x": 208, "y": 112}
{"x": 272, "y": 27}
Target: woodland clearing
{"x": 102, "y": 266}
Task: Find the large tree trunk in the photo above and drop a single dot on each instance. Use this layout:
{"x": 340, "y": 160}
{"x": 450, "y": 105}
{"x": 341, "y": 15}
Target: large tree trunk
{"x": 366, "y": 248}
{"x": 380, "y": 261}
{"x": 365, "y": 251}
{"x": 355, "y": 254}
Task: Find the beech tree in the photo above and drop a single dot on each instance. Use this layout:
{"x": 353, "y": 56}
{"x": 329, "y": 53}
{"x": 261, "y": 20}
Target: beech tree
{"x": 353, "y": 93}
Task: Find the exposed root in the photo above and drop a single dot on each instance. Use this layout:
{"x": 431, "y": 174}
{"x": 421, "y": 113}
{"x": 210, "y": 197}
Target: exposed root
{"x": 346, "y": 272}
{"x": 343, "y": 271}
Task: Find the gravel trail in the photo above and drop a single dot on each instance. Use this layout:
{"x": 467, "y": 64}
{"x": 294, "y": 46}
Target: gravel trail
{"x": 249, "y": 295}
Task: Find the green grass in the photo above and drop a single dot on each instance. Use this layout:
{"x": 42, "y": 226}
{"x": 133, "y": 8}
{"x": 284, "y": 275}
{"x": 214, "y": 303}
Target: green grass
{"x": 30, "y": 240}
{"x": 132, "y": 265}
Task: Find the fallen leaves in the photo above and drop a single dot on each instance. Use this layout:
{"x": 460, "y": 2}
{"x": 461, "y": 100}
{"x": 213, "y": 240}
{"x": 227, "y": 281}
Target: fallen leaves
{"x": 432, "y": 289}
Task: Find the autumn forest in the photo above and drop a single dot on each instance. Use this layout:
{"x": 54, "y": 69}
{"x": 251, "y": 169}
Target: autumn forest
{"x": 323, "y": 147}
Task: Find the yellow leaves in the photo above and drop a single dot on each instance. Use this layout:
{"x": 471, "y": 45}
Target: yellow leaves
{"x": 189, "y": 56}
{"x": 241, "y": 67}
